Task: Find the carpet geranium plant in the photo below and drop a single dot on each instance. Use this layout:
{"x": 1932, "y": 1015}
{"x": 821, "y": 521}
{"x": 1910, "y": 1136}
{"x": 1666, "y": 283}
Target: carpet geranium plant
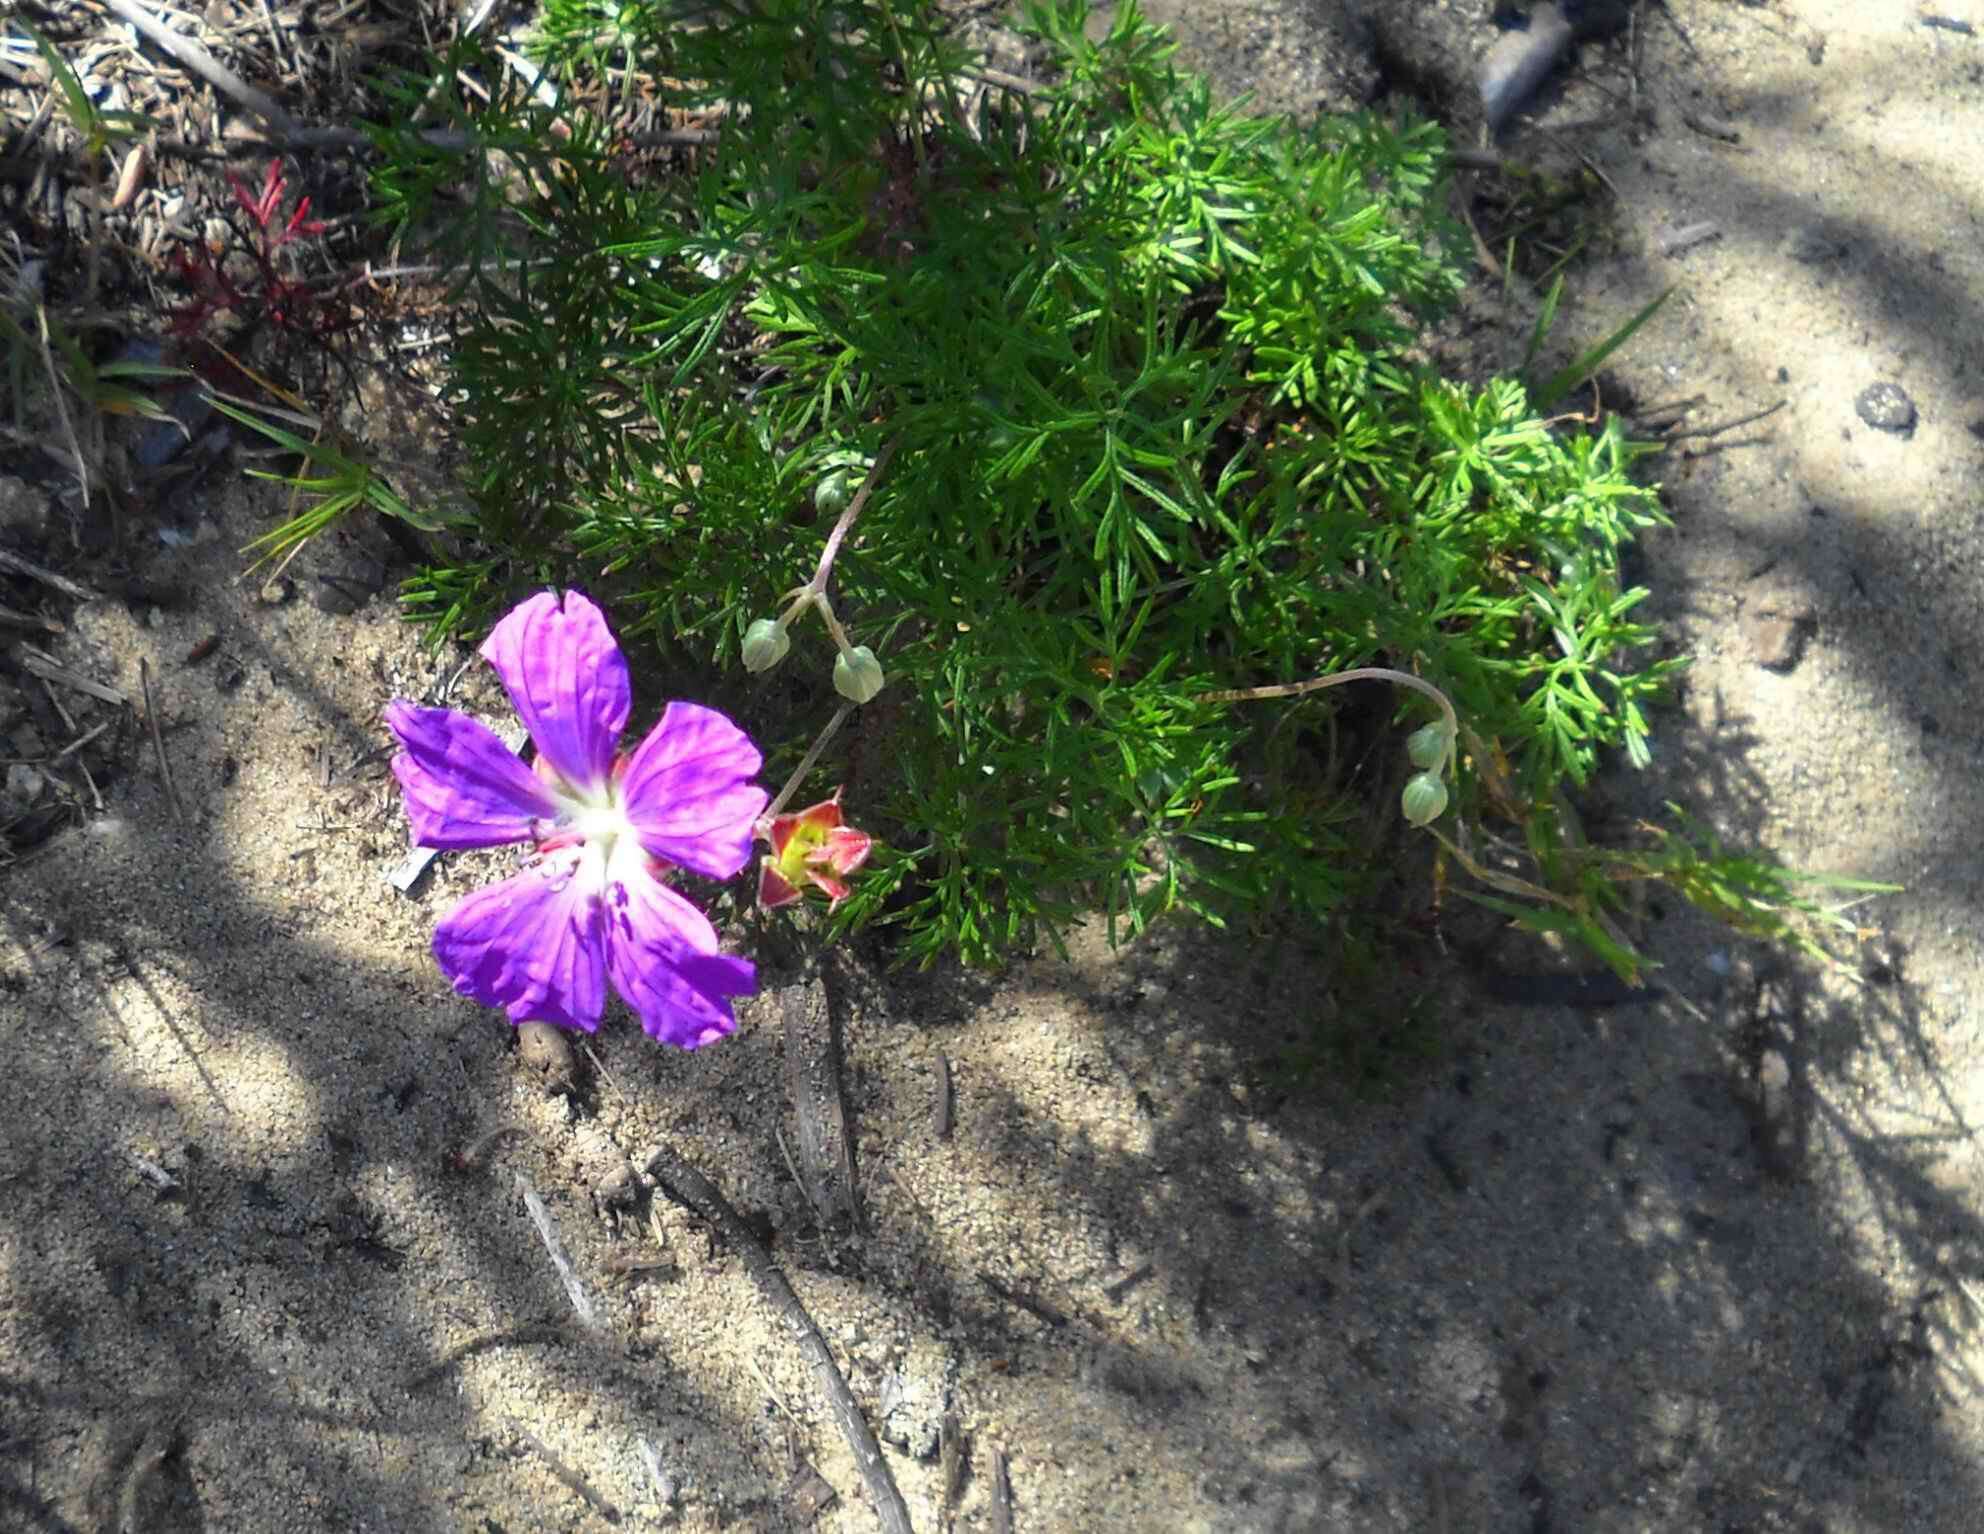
{"x": 592, "y": 904}
{"x": 1129, "y": 393}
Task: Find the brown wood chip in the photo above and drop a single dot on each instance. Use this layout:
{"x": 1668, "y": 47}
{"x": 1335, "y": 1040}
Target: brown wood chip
{"x": 946, "y": 1098}
{"x": 1002, "y": 1492}
{"x": 807, "y": 1494}
{"x": 812, "y": 1080}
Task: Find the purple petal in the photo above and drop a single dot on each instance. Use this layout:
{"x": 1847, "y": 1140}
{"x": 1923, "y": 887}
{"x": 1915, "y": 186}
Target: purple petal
{"x": 568, "y": 681}
{"x": 463, "y": 787}
{"x": 688, "y": 792}
{"x": 662, "y": 955}
{"x": 534, "y": 945}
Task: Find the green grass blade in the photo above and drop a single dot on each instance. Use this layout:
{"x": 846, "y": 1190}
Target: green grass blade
{"x": 1566, "y": 379}
{"x": 1545, "y": 318}
{"x": 82, "y": 111}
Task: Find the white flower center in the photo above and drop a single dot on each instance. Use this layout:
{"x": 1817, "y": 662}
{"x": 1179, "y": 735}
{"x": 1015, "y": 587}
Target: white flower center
{"x": 610, "y": 852}
{"x": 603, "y": 824}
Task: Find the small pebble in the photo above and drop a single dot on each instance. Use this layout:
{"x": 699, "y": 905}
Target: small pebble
{"x": 278, "y": 591}
{"x": 23, "y": 787}
{"x": 546, "y": 1050}
{"x": 1812, "y": 245}
{"x": 23, "y": 509}
{"x": 1776, "y": 640}
{"x": 336, "y": 599}
{"x": 620, "y": 1188}
{"x": 1887, "y": 407}
{"x": 909, "y": 1416}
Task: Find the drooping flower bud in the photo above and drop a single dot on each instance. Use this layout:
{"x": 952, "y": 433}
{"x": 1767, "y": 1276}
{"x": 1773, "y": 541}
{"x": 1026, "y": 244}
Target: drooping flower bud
{"x": 765, "y": 644}
{"x": 1425, "y": 798}
{"x": 1427, "y": 746}
{"x": 857, "y": 674}
{"x": 830, "y": 496}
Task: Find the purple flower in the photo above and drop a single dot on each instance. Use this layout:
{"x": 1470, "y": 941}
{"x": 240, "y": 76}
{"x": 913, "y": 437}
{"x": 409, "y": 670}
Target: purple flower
{"x": 591, "y": 905}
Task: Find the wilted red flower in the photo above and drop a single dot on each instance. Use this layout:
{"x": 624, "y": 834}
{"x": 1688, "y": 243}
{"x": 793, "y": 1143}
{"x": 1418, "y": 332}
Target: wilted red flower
{"x": 814, "y": 846}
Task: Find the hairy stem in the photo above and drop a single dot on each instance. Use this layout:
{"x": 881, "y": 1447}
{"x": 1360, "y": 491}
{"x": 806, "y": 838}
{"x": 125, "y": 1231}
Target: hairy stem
{"x": 1359, "y": 674}
{"x": 818, "y": 584}
{"x": 806, "y": 763}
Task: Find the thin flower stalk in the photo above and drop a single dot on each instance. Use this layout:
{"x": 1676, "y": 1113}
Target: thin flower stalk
{"x": 857, "y": 674}
{"x": 806, "y": 762}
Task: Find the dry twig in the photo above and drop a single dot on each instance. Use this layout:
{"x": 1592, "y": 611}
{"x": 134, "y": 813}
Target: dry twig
{"x": 946, "y": 1098}
{"x": 812, "y": 1080}
{"x": 81, "y": 741}
{"x": 284, "y": 131}
{"x": 49, "y": 669}
{"x": 48, "y": 577}
{"x": 158, "y": 743}
{"x": 547, "y": 1232}
{"x": 196, "y": 58}
{"x": 82, "y": 462}
{"x": 477, "y": 1155}
{"x": 20, "y": 620}
{"x": 1671, "y": 242}
{"x": 689, "y": 1187}
{"x": 951, "y": 1458}
{"x": 1722, "y": 426}
{"x": 1002, "y": 1493}
{"x": 573, "y": 1482}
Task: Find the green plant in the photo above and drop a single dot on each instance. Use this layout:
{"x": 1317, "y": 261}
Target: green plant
{"x": 1587, "y": 362}
{"x": 37, "y": 345}
{"x": 100, "y": 129}
{"x": 1125, "y": 380}
{"x": 334, "y": 480}
{"x": 39, "y": 341}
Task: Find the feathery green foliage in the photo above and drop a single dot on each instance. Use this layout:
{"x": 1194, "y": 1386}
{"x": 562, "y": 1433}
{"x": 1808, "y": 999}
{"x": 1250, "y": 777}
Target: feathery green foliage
{"x": 1142, "y": 369}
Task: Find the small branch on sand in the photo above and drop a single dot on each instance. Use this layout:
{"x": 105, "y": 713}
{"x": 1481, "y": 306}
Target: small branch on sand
{"x": 689, "y": 1187}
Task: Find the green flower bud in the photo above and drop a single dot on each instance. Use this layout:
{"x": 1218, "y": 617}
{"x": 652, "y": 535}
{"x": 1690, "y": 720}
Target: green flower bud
{"x": 765, "y": 644}
{"x": 831, "y": 494}
{"x": 857, "y": 674}
{"x": 1425, "y": 798}
{"x": 1427, "y": 746}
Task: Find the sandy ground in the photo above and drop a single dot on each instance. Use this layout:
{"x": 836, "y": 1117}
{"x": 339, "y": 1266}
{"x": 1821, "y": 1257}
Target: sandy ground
{"x": 1711, "y": 1264}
